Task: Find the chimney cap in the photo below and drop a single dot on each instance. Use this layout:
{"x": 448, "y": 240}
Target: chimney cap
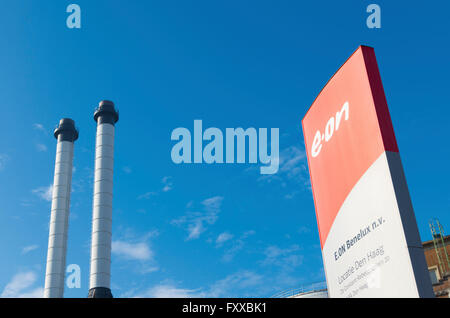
{"x": 67, "y": 130}
{"x": 107, "y": 112}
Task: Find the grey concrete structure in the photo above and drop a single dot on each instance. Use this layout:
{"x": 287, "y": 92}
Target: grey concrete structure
{"x": 100, "y": 272}
{"x": 66, "y": 134}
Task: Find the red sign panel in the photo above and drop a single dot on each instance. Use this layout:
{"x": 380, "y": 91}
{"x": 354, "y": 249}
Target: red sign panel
{"x": 346, "y": 129}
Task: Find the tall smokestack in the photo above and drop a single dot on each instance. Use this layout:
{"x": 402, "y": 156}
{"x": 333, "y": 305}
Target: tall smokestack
{"x": 66, "y": 134}
{"x": 99, "y": 281}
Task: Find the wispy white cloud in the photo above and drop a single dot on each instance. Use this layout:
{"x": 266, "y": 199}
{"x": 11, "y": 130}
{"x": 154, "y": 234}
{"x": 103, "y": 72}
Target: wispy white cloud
{"x": 292, "y": 164}
{"x": 197, "y": 222}
{"x": 166, "y": 187}
{"x": 168, "y": 184}
{"x": 304, "y": 230}
{"x": 25, "y": 202}
{"x": 19, "y": 287}
{"x": 167, "y": 290}
{"x": 243, "y": 283}
{"x": 233, "y": 284}
{"x": 41, "y": 147}
{"x": 136, "y": 251}
{"x": 34, "y": 293}
{"x": 293, "y": 161}
{"x": 127, "y": 170}
{"x": 195, "y": 229}
{"x": 236, "y": 245}
{"x": 82, "y": 179}
{"x": 3, "y": 160}
{"x": 44, "y": 193}
{"x": 213, "y": 204}
{"x": 147, "y": 195}
{"x": 293, "y": 169}
{"x": 40, "y": 127}
{"x": 29, "y": 248}
{"x": 287, "y": 258}
{"x": 147, "y": 268}
{"x": 223, "y": 237}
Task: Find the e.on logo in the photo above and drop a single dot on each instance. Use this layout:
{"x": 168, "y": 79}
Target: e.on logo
{"x": 331, "y": 126}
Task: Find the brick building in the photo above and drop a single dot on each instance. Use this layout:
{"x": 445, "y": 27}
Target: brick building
{"x": 438, "y": 265}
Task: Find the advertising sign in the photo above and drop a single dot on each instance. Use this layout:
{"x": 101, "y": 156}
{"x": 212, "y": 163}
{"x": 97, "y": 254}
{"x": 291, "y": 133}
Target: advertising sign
{"x": 369, "y": 237}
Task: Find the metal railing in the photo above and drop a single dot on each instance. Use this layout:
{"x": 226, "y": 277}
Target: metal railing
{"x": 315, "y": 287}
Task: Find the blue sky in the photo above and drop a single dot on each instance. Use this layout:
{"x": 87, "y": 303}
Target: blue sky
{"x": 201, "y": 230}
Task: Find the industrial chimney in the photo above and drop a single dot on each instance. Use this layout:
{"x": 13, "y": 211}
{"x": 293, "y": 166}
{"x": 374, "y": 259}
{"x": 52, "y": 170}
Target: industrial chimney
{"x": 66, "y": 134}
{"x": 99, "y": 281}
